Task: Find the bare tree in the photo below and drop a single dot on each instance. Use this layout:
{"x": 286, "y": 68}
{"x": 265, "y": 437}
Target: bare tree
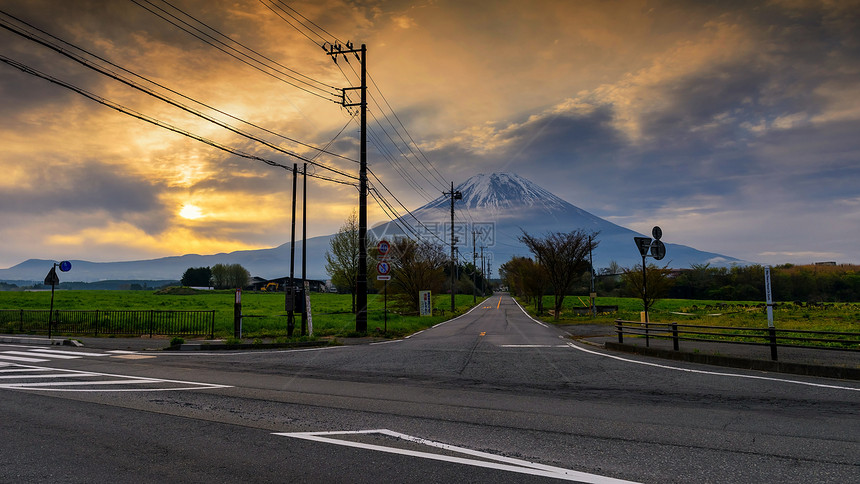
{"x": 657, "y": 283}
{"x": 341, "y": 260}
{"x": 415, "y": 266}
{"x": 565, "y": 258}
{"x": 524, "y": 277}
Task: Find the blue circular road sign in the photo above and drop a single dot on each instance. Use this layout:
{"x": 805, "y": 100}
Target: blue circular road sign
{"x": 65, "y": 266}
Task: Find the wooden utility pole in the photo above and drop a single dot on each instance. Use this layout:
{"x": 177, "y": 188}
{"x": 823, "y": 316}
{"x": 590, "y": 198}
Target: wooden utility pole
{"x": 335, "y": 50}
{"x": 454, "y": 196}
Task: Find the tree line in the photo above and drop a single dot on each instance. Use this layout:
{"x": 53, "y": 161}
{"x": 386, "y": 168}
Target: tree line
{"x": 219, "y": 276}
{"x": 796, "y": 283}
{"x": 804, "y": 283}
{"x": 415, "y": 266}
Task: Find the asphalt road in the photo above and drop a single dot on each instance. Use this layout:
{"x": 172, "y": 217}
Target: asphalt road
{"x": 490, "y": 396}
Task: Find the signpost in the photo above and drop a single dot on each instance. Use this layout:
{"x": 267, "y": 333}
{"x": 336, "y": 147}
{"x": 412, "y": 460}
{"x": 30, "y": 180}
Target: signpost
{"x": 425, "y": 303}
{"x": 53, "y": 280}
{"x": 658, "y": 251}
{"x": 383, "y": 269}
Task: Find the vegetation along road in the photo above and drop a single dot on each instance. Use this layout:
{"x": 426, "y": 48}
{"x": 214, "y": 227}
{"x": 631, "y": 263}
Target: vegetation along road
{"x": 492, "y": 395}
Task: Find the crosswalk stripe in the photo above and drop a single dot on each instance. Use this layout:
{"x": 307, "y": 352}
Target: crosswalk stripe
{"x": 129, "y": 381}
{"x": 106, "y": 382}
{"x": 61, "y": 352}
{"x": 21, "y": 358}
{"x": 45, "y": 355}
{"x": 46, "y": 375}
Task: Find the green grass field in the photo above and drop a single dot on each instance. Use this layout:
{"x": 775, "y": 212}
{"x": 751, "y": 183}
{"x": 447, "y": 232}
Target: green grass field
{"x": 266, "y": 318}
{"x": 265, "y": 315}
{"x": 748, "y": 314}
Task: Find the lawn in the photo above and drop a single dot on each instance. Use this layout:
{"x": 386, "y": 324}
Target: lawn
{"x": 748, "y": 314}
{"x": 264, "y": 312}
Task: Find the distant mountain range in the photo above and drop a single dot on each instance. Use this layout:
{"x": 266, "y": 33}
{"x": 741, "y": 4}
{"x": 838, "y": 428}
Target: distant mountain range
{"x": 498, "y": 207}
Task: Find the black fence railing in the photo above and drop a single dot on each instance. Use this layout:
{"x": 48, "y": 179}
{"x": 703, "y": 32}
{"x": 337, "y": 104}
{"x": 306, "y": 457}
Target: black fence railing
{"x": 772, "y": 337}
{"x": 109, "y": 322}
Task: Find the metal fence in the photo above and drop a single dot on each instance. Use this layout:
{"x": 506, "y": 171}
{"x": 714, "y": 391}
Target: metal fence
{"x": 772, "y": 337}
{"x": 109, "y": 322}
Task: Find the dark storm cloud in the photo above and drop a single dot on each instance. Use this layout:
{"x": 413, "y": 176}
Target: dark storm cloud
{"x": 83, "y": 187}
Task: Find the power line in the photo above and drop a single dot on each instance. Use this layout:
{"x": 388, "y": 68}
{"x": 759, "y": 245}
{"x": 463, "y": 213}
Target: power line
{"x": 439, "y": 178}
{"x": 258, "y": 54}
{"x": 46, "y": 43}
{"x": 176, "y": 104}
{"x": 149, "y": 119}
{"x": 297, "y": 20}
{"x": 235, "y": 56}
{"x": 435, "y": 177}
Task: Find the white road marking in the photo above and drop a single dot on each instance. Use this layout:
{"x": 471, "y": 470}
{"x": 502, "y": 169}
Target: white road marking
{"x": 122, "y": 352}
{"x": 22, "y": 359}
{"x": 490, "y": 461}
{"x": 73, "y": 353}
{"x": 703, "y": 372}
{"x": 44, "y": 355}
{"x": 533, "y": 346}
{"x": 44, "y": 375}
{"x": 717, "y": 373}
{"x": 105, "y": 380}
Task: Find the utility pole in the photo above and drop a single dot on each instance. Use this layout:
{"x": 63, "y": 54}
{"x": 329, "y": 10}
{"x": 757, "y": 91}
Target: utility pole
{"x": 454, "y": 196}
{"x": 290, "y": 293}
{"x": 304, "y": 329}
{"x": 483, "y": 274}
{"x": 335, "y": 50}
{"x": 591, "y": 264}
{"x": 474, "y": 271}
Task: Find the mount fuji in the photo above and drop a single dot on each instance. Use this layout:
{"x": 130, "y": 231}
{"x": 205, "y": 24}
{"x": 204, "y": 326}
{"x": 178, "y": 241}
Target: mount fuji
{"x": 497, "y": 206}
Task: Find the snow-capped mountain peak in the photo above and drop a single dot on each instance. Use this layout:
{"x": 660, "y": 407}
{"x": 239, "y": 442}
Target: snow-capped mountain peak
{"x": 499, "y": 191}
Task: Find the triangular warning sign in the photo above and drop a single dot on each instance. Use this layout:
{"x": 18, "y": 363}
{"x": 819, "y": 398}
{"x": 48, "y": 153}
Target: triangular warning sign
{"x": 643, "y": 244}
{"x": 52, "y": 279}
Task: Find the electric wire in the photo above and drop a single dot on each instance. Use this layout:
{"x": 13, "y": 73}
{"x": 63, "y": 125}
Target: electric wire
{"x": 149, "y": 119}
{"x": 249, "y": 49}
{"x": 291, "y": 24}
{"x": 434, "y": 174}
{"x": 46, "y": 43}
{"x": 235, "y": 56}
{"x": 440, "y": 178}
{"x": 375, "y": 138}
{"x": 134, "y": 85}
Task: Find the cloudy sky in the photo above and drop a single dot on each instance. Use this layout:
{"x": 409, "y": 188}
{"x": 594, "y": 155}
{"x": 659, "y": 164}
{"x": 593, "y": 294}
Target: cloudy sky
{"x": 735, "y": 126}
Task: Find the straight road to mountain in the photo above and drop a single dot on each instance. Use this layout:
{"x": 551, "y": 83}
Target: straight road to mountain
{"x": 491, "y": 395}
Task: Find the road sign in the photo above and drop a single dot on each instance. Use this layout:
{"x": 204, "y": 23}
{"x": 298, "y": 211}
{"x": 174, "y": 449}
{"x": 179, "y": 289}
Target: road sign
{"x": 383, "y": 268}
{"x": 52, "y": 279}
{"x": 643, "y": 244}
{"x": 383, "y": 247}
{"x": 65, "y": 266}
{"x": 657, "y": 232}
{"x": 658, "y": 250}
{"x": 383, "y": 278}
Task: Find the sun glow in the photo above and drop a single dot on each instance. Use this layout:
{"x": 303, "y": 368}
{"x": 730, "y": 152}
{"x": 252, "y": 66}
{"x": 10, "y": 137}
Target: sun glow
{"x": 190, "y": 211}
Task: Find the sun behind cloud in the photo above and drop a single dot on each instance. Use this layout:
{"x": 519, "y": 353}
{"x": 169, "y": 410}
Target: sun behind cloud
{"x": 190, "y": 211}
